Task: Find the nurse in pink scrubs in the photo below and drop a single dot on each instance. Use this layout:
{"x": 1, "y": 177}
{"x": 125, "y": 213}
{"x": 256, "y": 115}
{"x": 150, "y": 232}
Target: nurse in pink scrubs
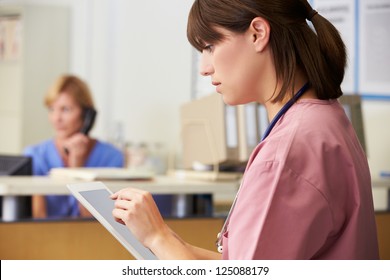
{"x": 306, "y": 191}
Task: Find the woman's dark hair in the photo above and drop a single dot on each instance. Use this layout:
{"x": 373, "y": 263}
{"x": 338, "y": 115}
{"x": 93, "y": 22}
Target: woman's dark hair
{"x": 320, "y": 53}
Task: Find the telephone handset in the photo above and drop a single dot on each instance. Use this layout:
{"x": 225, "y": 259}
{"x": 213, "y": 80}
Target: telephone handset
{"x": 89, "y": 115}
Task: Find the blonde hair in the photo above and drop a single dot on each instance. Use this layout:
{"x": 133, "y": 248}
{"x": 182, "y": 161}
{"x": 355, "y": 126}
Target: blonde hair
{"x": 73, "y": 86}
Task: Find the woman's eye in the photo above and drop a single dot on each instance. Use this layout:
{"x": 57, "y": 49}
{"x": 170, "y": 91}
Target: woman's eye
{"x": 208, "y": 48}
{"x": 66, "y": 109}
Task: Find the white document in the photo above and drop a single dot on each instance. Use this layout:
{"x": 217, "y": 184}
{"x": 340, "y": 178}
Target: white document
{"x": 95, "y": 196}
{"x": 374, "y": 46}
{"x": 108, "y": 173}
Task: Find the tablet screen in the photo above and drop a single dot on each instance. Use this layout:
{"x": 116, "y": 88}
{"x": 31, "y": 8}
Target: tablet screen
{"x": 100, "y": 200}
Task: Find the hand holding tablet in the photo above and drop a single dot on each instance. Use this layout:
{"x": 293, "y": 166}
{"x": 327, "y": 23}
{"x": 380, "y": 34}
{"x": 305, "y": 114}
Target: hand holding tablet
{"x": 137, "y": 210}
{"x": 98, "y": 200}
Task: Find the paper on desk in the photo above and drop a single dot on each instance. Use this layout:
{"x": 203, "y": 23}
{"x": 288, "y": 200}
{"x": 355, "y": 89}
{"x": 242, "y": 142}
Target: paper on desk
{"x": 108, "y": 173}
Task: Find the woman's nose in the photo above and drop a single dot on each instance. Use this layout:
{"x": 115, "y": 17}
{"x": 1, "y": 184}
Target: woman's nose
{"x": 55, "y": 116}
{"x": 206, "y": 67}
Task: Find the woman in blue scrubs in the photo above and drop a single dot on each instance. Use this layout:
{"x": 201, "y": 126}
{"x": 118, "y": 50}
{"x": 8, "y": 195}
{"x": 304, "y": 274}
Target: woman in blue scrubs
{"x": 68, "y": 100}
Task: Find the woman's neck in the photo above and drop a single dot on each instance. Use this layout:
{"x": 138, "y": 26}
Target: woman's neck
{"x": 274, "y": 107}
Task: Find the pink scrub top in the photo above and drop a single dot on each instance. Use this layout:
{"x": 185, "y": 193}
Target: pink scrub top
{"x": 306, "y": 192}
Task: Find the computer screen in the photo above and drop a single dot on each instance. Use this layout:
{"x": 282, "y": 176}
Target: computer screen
{"x": 16, "y": 207}
{"x": 353, "y": 108}
{"x": 209, "y": 131}
{"x": 214, "y": 133}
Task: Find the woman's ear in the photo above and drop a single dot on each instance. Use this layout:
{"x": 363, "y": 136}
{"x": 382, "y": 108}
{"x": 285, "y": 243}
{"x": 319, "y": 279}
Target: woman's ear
{"x": 259, "y": 29}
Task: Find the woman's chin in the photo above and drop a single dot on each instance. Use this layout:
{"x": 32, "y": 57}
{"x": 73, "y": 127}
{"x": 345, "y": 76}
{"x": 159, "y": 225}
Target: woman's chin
{"x": 62, "y": 135}
{"x": 230, "y": 101}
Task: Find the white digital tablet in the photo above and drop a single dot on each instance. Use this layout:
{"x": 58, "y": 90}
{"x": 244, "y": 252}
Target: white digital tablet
{"x": 95, "y": 196}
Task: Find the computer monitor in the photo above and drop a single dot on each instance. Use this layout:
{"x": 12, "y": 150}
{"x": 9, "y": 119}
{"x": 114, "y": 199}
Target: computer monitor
{"x": 214, "y": 133}
{"x": 19, "y": 207}
{"x": 209, "y": 131}
{"x": 353, "y": 108}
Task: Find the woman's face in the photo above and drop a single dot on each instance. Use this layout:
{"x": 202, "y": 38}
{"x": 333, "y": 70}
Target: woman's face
{"x": 236, "y": 69}
{"x": 65, "y": 115}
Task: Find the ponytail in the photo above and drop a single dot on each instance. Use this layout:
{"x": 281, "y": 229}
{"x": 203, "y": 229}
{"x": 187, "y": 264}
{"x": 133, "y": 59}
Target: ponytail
{"x": 325, "y": 67}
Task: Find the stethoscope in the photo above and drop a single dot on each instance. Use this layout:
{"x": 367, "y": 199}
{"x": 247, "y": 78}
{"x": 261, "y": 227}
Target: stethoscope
{"x": 282, "y": 111}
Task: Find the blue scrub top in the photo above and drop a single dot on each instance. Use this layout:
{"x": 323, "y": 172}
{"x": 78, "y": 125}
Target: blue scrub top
{"x": 45, "y": 156}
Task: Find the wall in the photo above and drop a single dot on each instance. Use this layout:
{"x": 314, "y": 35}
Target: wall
{"x": 41, "y": 36}
{"x": 136, "y": 57}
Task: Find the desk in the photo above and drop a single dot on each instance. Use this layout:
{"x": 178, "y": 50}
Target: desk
{"x": 24, "y": 185}
{"x": 12, "y": 187}
{"x": 224, "y": 190}
{"x": 85, "y": 239}
{"x": 12, "y": 233}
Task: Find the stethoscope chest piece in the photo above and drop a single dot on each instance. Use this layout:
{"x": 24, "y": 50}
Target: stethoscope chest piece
{"x": 219, "y": 243}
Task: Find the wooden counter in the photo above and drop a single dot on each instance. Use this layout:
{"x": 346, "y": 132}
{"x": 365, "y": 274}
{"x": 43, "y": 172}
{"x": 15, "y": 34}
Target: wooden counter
{"x": 87, "y": 239}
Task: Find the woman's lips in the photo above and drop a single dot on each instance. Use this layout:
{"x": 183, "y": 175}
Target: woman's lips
{"x": 217, "y": 86}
